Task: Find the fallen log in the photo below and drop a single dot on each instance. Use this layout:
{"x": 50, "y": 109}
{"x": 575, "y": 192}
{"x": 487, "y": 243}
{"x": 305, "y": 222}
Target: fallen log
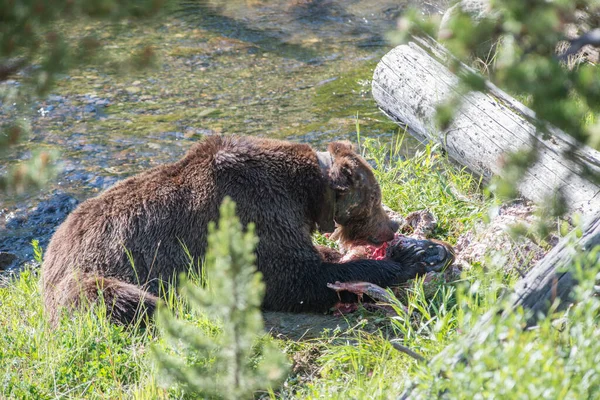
{"x": 411, "y": 80}
{"x": 552, "y": 279}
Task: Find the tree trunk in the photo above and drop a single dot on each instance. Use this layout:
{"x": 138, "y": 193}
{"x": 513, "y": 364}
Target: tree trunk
{"x": 411, "y": 80}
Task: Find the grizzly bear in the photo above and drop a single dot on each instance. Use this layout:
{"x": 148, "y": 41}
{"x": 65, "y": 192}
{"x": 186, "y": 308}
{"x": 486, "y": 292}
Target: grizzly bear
{"x": 123, "y": 243}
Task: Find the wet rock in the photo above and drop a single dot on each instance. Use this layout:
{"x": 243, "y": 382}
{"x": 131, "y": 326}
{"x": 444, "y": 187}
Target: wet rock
{"x": 56, "y": 98}
{"x": 172, "y": 135}
{"x": 6, "y": 259}
{"x": 89, "y": 108}
{"x": 25, "y": 224}
{"x": 52, "y": 211}
{"x": 325, "y": 81}
{"x": 133, "y": 90}
{"x": 102, "y": 182}
{"x": 13, "y": 220}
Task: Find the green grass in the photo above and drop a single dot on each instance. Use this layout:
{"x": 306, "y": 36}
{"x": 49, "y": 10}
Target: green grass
{"x": 427, "y": 180}
{"x": 87, "y": 357}
{"x": 84, "y": 356}
{"x": 557, "y": 359}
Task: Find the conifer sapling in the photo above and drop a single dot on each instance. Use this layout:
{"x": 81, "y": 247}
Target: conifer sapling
{"x": 234, "y": 363}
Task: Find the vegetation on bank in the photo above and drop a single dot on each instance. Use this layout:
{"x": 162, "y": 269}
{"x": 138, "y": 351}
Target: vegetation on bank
{"x": 86, "y": 356}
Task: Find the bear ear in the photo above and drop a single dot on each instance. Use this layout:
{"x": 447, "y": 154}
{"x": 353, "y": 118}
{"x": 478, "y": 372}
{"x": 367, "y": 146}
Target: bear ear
{"x": 340, "y": 148}
{"x": 341, "y": 175}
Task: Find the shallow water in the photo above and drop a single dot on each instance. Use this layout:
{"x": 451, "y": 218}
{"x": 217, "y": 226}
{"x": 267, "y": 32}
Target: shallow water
{"x": 293, "y": 69}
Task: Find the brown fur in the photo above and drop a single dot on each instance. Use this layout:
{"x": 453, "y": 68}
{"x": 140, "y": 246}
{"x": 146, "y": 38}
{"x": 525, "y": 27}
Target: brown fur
{"x": 278, "y": 185}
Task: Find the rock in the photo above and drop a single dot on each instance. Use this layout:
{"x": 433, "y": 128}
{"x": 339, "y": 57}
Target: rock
{"x": 420, "y": 224}
{"x": 297, "y": 326}
{"x": 6, "y": 259}
{"x": 394, "y": 216}
{"x": 479, "y": 10}
{"x": 102, "y": 182}
{"x": 476, "y": 9}
{"x": 133, "y": 89}
{"x": 89, "y": 108}
{"x": 13, "y": 220}
{"x": 56, "y": 98}
{"x": 23, "y": 225}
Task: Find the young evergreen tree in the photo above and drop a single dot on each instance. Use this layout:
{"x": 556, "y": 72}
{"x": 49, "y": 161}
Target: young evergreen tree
{"x": 241, "y": 362}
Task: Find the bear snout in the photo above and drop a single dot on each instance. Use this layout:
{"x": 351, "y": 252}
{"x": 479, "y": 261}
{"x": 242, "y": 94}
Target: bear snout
{"x": 387, "y": 228}
{"x": 387, "y": 235}
{"x": 386, "y": 232}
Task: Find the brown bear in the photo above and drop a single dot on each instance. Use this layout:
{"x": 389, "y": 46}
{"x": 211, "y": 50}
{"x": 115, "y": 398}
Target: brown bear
{"x": 125, "y": 241}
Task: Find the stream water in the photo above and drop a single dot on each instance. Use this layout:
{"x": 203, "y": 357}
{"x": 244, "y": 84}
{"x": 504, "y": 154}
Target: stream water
{"x": 292, "y": 69}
